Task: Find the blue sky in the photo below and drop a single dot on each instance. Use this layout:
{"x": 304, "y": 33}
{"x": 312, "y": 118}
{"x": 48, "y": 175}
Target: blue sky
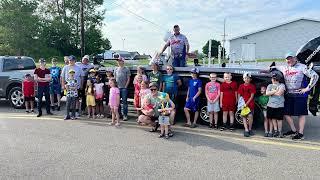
{"x": 199, "y": 20}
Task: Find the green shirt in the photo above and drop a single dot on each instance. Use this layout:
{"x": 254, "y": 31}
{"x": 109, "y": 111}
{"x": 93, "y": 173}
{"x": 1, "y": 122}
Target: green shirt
{"x": 263, "y": 101}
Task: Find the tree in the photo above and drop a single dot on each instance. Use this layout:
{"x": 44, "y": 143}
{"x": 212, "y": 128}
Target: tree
{"x": 214, "y": 48}
{"x": 19, "y": 26}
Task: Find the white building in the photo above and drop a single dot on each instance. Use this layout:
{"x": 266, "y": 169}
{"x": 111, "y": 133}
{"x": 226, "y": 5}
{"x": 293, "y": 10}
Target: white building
{"x": 274, "y": 42}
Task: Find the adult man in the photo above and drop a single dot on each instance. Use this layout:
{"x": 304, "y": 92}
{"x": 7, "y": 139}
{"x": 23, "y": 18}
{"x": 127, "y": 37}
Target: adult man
{"x": 122, "y": 75}
{"x": 78, "y": 76}
{"x": 179, "y": 47}
{"x": 42, "y": 77}
{"x": 296, "y": 98}
{"x": 85, "y": 66}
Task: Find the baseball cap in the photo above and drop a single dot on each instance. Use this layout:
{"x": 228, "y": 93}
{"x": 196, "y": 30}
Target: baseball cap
{"x": 153, "y": 84}
{"x": 289, "y": 54}
{"x": 276, "y": 76}
{"x": 247, "y": 74}
{"x": 195, "y": 70}
{"x": 42, "y": 60}
{"x": 86, "y": 57}
{"x": 92, "y": 70}
{"x": 72, "y": 58}
{"x": 71, "y": 71}
{"x": 120, "y": 59}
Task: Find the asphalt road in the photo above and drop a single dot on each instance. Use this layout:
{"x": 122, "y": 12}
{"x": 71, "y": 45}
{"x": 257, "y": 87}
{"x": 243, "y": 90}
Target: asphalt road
{"x": 50, "y": 148}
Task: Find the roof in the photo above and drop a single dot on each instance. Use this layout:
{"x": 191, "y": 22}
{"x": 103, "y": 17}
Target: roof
{"x": 265, "y": 29}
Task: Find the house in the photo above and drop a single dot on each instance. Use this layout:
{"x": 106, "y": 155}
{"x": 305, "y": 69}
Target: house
{"x": 274, "y": 42}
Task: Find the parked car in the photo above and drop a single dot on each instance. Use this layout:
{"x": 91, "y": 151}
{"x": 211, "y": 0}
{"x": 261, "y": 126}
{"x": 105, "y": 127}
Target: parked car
{"x": 12, "y": 72}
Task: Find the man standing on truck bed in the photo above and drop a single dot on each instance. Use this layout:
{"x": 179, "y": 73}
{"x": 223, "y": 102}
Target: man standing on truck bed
{"x": 179, "y": 47}
{"x": 296, "y": 98}
{"x": 43, "y": 77}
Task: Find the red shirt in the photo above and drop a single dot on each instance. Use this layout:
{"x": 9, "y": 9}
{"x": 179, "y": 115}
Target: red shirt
{"x": 229, "y": 96}
{"x": 28, "y": 88}
{"x": 42, "y": 74}
{"x": 137, "y": 89}
{"x": 245, "y": 90}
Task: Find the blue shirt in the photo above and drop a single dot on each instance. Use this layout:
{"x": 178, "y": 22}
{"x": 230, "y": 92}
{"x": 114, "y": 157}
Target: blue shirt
{"x": 55, "y": 74}
{"x": 194, "y": 85}
{"x": 171, "y": 83}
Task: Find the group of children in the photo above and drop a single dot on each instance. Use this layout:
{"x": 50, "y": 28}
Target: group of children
{"x": 224, "y": 96}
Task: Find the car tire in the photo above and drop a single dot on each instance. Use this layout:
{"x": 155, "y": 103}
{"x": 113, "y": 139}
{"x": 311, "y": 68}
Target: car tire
{"x": 16, "y": 98}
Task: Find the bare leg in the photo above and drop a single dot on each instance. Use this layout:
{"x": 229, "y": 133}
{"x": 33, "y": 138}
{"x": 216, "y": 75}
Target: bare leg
{"x": 27, "y": 105}
{"x": 32, "y": 105}
{"x": 116, "y": 112}
{"x": 275, "y": 125}
{"x": 52, "y": 99}
{"x": 290, "y": 122}
{"x": 231, "y": 115}
{"x": 196, "y": 115}
{"x": 89, "y": 111}
{"x": 302, "y": 122}
{"x": 245, "y": 124}
{"x": 279, "y": 125}
{"x": 250, "y": 119}
{"x": 225, "y": 117}
{"x": 210, "y": 117}
{"x": 266, "y": 124}
{"x": 186, "y": 112}
{"x": 113, "y": 115}
{"x": 215, "y": 118}
{"x": 166, "y": 129}
{"x": 59, "y": 99}
{"x": 93, "y": 112}
{"x": 162, "y": 129}
{"x": 270, "y": 125}
{"x": 172, "y": 116}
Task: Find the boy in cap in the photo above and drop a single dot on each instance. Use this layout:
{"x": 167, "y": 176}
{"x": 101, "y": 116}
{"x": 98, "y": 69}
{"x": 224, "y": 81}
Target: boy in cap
{"x": 193, "y": 98}
{"x": 247, "y": 92}
{"x": 71, "y": 87}
{"x": 55, "y": 84}
{"x": 122, "y": 75}
{"x": 43, "y": 77}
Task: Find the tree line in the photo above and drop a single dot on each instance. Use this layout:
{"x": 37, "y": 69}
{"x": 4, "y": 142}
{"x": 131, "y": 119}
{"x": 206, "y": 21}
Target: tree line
{"x": 48, "y": 28}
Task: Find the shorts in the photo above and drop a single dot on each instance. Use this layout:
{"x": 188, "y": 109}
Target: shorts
{"x": 192, "y": 105}
{"x": 99, "y": 102}
{"x": 228, "y": 107}
{"x": 213, "y": 107}
{"x": 164, "y": 120}
{"x": 30, "y": 98}
{"x": 296, "y": 106}
{"x": 275, "y": 113}
{"x": 55, "y": 88}
{"x": 90, "y": 100}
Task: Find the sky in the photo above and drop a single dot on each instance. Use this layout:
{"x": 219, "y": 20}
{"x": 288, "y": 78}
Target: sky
{"x": 140, "y": 25}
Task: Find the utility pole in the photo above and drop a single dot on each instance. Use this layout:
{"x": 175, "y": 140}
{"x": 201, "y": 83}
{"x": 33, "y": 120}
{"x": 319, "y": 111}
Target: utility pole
{"x": 224, "y": 39}
{"x": 82, "y": 28}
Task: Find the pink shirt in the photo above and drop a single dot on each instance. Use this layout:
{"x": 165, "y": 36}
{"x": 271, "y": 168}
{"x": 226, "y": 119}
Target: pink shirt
{"x": 114, "y": 93}
{"x": 143, "y": 93}
{"x": 99, "y": 90}
{"x": 212, "y": 89}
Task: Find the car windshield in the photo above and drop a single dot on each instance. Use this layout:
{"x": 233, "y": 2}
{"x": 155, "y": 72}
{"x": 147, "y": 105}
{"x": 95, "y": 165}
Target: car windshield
{"x": 18, "y": 64}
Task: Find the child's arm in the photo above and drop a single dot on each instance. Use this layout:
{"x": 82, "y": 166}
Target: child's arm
{"x": 217, "y": 96}
{"x": 237, "y": 97}
{"x": 280, "y": 92}
{"x": 187, "y": 95}
{"x": 198, "y": 94}
{"x": 206, "y": 93}
{"x": 250, "y": 99}
{"x": 221, "y": 97}
{"x": 270, "y": 92}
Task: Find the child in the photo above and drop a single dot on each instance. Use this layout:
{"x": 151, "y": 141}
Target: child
{"x": 109, "y": 76}
{"x": 146, "y": 108}
{"x": 140, "y": 71}
{"x": 92, "y": 76}
{"x": 275, "y": 106}
{"x": 71, "y": 87}
{"x": 171, "y": 83}
{"x": 263, "y": 101}
{"x": 28, "y": 92}
{"x": 114, "y": 102}
{"x": 137, "y": 88}
{"x": 164, "y": 119}
{"x": 213, "y": 94}
{"x": 99, "y": 94}
{"x": 90, "y": 99}
{"x": 144, "y": 91}
{"x": 155, "y": 76}
{"x": 247, "y": 91}
{"x": 228, "y": 100}
{"x": 55, "y": 85}
{"x": 192, "y": 100}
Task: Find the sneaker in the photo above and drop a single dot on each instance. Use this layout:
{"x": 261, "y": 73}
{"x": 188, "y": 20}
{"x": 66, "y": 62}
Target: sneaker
{"x": 276, "y": 134}
{"x": 290, "y": 133}
{"x": 298, "y": 136}
{"x": 170, "y": 133}
{"x": 101, "y": 116}
{"x": 231, "y": 127}
{"x": 215, "y": 126}
{"x": 161, "y": 135}
{"x": 111, "y": 123}
{"x": 32, "y": 111}
{"x": 58, "y": 108}
{"x": 73, "y": 118}
{"x": 280, "y": 135}
{"x": 98, "y": 116}
{"x": 39, "y": 115}
{"x": 52, "y": 108}
{"x": 49, "y": 113}
{"x": 270, "y": 134}
{"x": 117, "y": 124}
{"x": 77, "y": 114}
{"x": 166, "y": 136}
{"x": 125, "y": 118}
{"x": 251, "y": 133}
{"x": 266, "y": 134}
{"x": 66, "y": 118}
{"x": 193, "y": 125}
{"x": 223, "y": 127}
{"x": 27, "y": 111}
{"x": 246, "y": 134}
{"x": 211, "y": 125}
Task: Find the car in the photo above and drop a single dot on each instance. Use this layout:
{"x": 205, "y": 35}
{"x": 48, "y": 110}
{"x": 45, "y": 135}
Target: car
{"x": 12, "y": 72}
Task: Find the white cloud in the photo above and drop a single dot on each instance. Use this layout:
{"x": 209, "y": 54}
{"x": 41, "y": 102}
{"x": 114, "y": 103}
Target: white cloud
{"x": 199, "y": 20}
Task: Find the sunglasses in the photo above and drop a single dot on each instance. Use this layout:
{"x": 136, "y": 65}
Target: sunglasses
{"x": 153, "y": 89}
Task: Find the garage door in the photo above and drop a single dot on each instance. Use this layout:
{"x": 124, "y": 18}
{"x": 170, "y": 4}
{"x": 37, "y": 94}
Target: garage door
{"x": 248, "y": 52}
